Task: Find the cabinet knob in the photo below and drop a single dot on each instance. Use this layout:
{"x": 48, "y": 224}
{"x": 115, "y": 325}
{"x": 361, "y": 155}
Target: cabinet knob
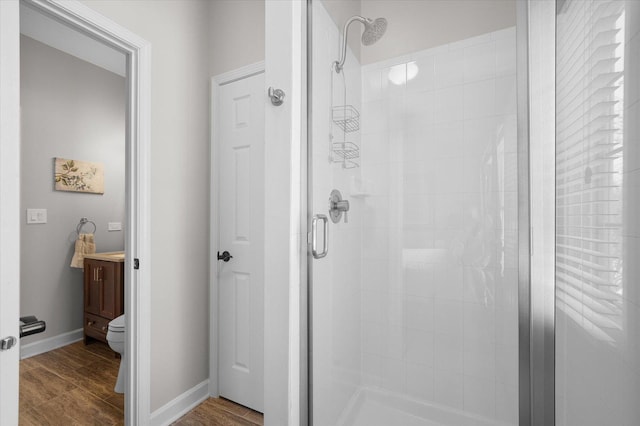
{"x": 104, "y": 328}
{"x": 89, "y": 323}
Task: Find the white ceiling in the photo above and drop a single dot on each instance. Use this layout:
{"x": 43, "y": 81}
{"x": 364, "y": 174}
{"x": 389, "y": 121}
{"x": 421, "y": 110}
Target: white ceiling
{"x": 59, "y": 36}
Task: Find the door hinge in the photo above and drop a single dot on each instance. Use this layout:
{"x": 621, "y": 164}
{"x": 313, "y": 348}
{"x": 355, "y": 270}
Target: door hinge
{"x": 136, "y": 263}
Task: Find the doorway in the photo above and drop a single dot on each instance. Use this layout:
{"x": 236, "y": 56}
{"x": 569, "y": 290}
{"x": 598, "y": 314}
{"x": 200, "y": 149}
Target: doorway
{"x": 73, "y": 119}
{"x": 83, "y": 20}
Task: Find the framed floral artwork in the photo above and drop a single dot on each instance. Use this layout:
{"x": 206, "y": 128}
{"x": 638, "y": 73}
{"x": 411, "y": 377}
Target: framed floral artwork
{"x": 79, "y": 176}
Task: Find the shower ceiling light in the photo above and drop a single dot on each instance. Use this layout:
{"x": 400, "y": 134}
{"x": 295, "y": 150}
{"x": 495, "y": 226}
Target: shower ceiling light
{"x": 402, "y": 73}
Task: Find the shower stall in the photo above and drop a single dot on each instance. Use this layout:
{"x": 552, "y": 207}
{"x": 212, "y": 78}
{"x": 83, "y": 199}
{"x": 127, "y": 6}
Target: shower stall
{"x": 473, "y": 202}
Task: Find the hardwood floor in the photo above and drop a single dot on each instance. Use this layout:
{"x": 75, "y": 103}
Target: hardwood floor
{"x": 73, "y": 386}
{"x": 220, "y": 412}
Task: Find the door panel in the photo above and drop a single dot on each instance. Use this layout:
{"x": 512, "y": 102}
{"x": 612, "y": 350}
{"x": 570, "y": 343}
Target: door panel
{"x": 9, "y": 202}
{"x": 92, "y": 288}
{"x": 241, "y": 204}
{"x": 108, "y": 283}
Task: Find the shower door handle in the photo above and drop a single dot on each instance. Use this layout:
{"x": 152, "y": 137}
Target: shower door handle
{"x": 314, "y": 236}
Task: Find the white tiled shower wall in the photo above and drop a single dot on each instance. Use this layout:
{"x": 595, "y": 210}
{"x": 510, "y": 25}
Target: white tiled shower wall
{"x": 439, "y": 238}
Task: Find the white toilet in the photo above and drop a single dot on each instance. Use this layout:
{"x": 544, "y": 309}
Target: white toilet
{"x": 115, "y": 338}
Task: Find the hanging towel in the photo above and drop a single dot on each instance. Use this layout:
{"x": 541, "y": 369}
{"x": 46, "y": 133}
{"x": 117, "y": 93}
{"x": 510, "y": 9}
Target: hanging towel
{"x": 84, "y": 245}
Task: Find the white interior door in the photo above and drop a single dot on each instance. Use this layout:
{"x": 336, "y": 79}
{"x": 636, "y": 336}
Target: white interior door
{"x": 9, "y": 207}
{"x": 241, "y": 211}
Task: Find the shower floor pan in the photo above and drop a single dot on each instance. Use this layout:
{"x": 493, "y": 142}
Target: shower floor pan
{"x": 376, "y": 407}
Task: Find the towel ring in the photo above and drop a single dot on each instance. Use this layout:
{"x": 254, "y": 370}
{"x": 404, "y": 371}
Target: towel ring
{"x": 84, "y": 221}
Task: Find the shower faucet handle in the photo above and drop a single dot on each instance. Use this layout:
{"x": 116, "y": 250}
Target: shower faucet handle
{"x": 337, "y": 206}
{"x": 343, "y": 206}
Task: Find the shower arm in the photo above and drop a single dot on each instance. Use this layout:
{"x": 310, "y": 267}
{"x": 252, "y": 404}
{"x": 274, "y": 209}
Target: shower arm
{"x": 338, "y": 65}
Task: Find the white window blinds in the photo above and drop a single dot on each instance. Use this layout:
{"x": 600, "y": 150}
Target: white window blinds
{"x": 589, "y": 143}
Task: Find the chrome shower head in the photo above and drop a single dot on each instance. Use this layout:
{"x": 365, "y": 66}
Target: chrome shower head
{"x": 373, "y": 31}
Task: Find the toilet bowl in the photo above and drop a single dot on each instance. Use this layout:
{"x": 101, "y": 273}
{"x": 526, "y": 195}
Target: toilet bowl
{"x": 115, "y": 338}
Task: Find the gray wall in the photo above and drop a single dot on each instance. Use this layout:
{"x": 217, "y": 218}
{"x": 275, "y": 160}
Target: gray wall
{"x": 416, "y": 25}
{"x": 340, "y": 11}
{"x": 237, "y": 26}
{"x": 236, "y": 34}
{"x": 74, "y": 110}
{"x": 178, "y": 31}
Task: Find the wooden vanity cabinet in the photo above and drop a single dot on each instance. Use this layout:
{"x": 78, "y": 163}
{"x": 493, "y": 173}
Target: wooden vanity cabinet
{"x": 103, "y": 296}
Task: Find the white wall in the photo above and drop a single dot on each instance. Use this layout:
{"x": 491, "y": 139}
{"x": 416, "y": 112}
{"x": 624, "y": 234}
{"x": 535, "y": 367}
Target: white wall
{"x": 236, "y": 34}
{"x": 417, "y": 24}
{"x": 284, "y": 237}
{"x": 75, "y": 110}
{"x": 178, "y": 32}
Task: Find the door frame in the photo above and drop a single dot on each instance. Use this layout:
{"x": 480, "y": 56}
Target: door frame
{"x": 536, "y": 75}
{"x": 535, "y": 43}
{"x": 214, "y": 179}
{"x": 85, "y": 20}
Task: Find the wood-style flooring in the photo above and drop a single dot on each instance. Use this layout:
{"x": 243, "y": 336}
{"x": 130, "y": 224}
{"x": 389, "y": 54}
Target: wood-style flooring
{"x": 73, "y": 386}
{"x": 220, "y": 412}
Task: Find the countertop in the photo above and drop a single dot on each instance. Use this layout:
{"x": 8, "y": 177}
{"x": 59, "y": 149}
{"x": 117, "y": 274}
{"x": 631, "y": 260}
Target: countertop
{"x": 112, "y": 256}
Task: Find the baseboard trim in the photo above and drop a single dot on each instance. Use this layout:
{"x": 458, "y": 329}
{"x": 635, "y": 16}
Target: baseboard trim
{"x": 180, "y": 405}
{"x": 50, "y": 343}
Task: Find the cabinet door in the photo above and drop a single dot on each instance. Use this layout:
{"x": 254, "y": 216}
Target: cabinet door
{"x": 92, "y": 290}
{"x": 108, "y": 286}
{"x": 103, "y": 288}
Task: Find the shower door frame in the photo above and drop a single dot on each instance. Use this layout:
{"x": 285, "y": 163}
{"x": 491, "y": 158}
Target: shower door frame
{"x": 535, "y": 27}
{"x": 536, "y": 47}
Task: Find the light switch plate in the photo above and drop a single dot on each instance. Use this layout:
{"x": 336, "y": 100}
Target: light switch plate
{"x": 36, "y": 216}
{"x": 115, "y": 226}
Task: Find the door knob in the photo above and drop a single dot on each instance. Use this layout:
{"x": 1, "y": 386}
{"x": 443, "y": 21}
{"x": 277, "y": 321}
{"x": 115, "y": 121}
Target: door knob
{"x": 225, "y": 256}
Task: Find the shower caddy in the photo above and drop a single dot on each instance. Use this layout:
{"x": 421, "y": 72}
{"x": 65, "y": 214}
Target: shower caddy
{"x": 347, "y": 118}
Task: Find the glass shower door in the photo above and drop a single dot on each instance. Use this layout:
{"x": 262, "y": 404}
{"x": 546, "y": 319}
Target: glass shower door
{"x": 413, "y": 309}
